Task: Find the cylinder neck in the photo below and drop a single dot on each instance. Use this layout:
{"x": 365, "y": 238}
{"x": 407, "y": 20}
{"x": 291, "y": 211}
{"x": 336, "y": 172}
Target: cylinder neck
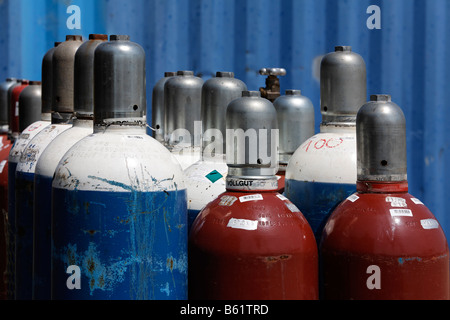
{"x": 382, "y": 186}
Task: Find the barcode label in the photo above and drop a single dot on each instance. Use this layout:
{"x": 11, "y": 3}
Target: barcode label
{"x": 400, "y": 212}
{"x": 242, "y": 224}
{"x": 416, "y": 201}
{"x": 251, "y": 197}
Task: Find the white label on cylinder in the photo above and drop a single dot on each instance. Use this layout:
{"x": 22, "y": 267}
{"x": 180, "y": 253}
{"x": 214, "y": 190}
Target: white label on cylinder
{"x": 2, "y": 165}
{"x": 16, "y": 110}
{"x": 353, "y": 198}
{"x": 429, "y": 223}
{"x": 251, "y": 197}
{"x": 396, "y": 202}
{"x": 291, "y": 207}
{"x": 242, "y": 224}
{"x": 416, "y": 201}
{"x": 281, "y": 197}
{"x": 400, "y": 212}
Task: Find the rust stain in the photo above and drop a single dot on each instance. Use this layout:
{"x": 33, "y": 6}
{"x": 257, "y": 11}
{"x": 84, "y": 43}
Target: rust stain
{"x": 91, "y": 265}
{"x": 170, "y": 263}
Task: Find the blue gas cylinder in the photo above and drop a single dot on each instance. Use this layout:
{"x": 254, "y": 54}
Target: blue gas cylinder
{"x": 62, "y": 114}
{"x": 46, "y": 165}
{"x": 119, "y": 208}
{"x": 322, "y": 171}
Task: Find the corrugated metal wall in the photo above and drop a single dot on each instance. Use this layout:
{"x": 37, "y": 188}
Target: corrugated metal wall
{"x": 405, "y": 58}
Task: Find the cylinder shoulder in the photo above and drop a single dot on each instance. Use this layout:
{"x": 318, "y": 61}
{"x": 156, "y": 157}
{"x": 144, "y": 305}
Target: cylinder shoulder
{"x": 118, "y": 162}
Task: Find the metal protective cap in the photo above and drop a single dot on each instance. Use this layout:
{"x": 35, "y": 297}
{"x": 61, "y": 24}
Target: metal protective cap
{"x": 217, "y": 93}
{"x": 47, "y": 80}
{"x": 84, "y": 76}
{"x": 4, "y": 109}
{"x": 63, "y": 62}
{"x": 252, "y": 136}
{"x": 381, "y": 141}
{"x": 342, "y": 86}
{"x": 30, "y": 105}
{"x": 119, "y": 81}
{"x": 182, "y": 100}
{"x": 158, "y": 110}
{"x": 295, "y": 115}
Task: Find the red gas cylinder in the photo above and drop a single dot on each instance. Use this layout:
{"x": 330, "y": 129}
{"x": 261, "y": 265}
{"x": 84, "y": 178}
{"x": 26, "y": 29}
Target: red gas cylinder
{"x": 252, "y": 242}
{"x": 381, "y": 242}
{"x": 5, "y": 148}
{"x": 14, "y": 109}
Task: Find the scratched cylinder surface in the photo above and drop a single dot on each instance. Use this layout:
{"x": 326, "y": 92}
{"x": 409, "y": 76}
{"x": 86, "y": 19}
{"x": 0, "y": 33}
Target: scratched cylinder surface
{"x": 62, "y": 117}
{"x": 120, "y": 215}
{"x": 46, "y": 165}
{"x": 119, "y": 211}
{"x": 14, "y": 156}
{"x": 322, "y": 171}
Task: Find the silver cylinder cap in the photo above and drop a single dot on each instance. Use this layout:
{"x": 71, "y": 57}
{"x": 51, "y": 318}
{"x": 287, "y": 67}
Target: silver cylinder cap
{"x": 119, "y": 81}
{"x": 4, "y": 87}
{"x": 84, "y": 76}
{"x": 343, "y": 88}
{"x": 252, "y": 136}
{"x": 183, "y": 101}
{"x": 30, "y": 104}
{"x": 158, "y": 111}
{"x": 63, "y": 63}
{"x": 381, "y": 141}
{"x": 295, "y": 114}
{"x": 47, "y": 80}
{"x": 217, "y": 93}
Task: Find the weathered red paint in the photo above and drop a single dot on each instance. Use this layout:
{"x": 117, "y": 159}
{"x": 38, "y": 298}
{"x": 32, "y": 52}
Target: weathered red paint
{"x": 413, "y": 259}
{"x": 277, "y": 260}
{"x": 5, "y": 148}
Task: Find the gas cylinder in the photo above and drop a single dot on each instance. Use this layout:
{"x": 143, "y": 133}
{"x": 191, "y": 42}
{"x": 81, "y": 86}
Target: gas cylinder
{"x": 4, "y": 106}
{"x": 119, "y": 210}
{"x": 389, "y": 240}
{"x": 252, "y": 242}
{"x": 16, "y": 152}
{"x": 62, "y": 117}
{"x": 322, "y": 171}
{"x": 5, "y": 147}
{"x": 46, "y": 165}
{"x": 205, "y": 179}
{"x": 295, "y": 114}
{"x": 182, "y": 101}
{"x": 158, "y": 111}
{"x": 30, "y": 105}
{"x": 14, "y": 109}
